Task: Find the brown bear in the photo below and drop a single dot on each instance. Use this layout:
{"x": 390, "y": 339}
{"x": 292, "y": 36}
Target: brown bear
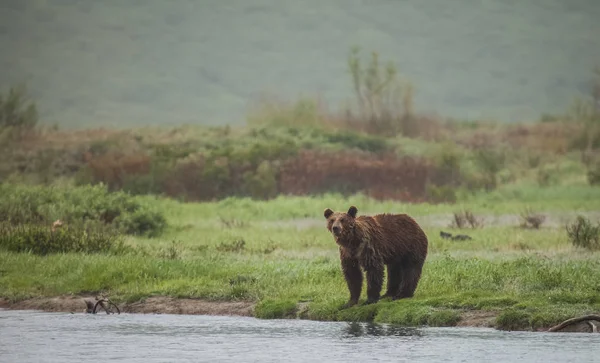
{"x": 371, "y": 243}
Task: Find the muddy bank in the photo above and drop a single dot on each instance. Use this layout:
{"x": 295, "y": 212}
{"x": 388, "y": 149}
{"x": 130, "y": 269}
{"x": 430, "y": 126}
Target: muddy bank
{"x": 170, "y": 305}
{"x": 151, "y": 305}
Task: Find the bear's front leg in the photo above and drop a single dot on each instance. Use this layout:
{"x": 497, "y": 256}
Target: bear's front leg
{"x": 353, "y": 276}
{"x": 374, "y": 271}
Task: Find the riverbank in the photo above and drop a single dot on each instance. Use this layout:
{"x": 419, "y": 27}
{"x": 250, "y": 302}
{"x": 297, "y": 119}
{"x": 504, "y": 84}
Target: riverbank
{"x": 170, "y": 305}
{"x": 184, "y": 306}
{"x": 151, "y": 305}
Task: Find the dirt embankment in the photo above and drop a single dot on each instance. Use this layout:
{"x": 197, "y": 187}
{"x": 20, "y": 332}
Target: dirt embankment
{"x": 170, "y": 305}
{"x": 151, "y": 305}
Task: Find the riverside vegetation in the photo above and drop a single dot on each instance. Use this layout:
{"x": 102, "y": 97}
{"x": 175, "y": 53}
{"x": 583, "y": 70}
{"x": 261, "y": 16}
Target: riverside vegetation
{"x": 235, "y": 214}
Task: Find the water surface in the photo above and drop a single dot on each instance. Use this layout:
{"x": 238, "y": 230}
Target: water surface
{"x": 31, "y": 336}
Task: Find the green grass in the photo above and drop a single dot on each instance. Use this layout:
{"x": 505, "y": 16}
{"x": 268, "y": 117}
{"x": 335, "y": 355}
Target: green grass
{"x": 506, "y": 200}
{"x": 529, "y": 278}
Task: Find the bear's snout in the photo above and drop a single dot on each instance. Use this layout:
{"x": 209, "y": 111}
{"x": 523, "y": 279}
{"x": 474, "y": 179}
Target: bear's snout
{"x": 336, "y": 230}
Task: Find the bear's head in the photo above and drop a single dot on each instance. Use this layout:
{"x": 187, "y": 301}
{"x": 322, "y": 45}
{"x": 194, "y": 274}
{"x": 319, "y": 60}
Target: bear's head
{"x": 340, "y": 224}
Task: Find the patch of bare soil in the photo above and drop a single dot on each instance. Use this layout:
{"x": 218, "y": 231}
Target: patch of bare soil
{"x": 151, "y": 305}
{"x": 478, "y": 319}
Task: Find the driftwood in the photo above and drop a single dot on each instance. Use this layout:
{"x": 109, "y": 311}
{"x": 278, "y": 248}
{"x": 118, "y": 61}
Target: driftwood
{"x": 592, "y": 321}
{"x": 105, "y": 303}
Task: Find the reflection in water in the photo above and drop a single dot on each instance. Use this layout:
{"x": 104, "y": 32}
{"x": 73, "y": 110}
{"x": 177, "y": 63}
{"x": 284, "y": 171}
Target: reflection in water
{"x": 29, "y": 336}
{"x": 356, "y": 329}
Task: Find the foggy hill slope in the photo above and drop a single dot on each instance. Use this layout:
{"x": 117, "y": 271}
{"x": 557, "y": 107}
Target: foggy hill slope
{"x": 139, "y": 62}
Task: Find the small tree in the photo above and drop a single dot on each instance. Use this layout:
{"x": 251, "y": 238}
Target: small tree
{"x": 582, "y": 233}
{"x": 379, "y": 93}
{"x": 16, "y": 110}
{"x": 587, "y": 112}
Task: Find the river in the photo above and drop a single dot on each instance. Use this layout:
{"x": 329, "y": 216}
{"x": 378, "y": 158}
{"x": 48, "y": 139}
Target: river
{"x": 32, "y": 336}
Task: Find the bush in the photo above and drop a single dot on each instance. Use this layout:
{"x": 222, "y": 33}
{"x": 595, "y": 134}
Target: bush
{"x": 42, "y": 240}
{"x": 582, "y": 233}
{"x": 378, "y": 90}
{"x": 16, "y": 111}
{"x": 466, "y": 219}
{"x": 442, "y": 194}
{"x": 531, "y": 219}
{"x": 490, "y": 162}
{"x": 44, "y": 205}
{"x": 374, "y": 144}
{"x": 593, "y": 174}
{"x": 378, "y": 176}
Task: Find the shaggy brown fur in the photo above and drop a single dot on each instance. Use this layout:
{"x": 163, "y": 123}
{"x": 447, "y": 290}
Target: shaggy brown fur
{"x": 371, "y": 243}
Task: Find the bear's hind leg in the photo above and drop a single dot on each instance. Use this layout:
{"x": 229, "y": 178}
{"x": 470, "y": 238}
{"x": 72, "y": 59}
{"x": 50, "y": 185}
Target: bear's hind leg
{"x": 410, "y": 279}
{"x": 394, "y": 280}
{"x": 374, "y": 274}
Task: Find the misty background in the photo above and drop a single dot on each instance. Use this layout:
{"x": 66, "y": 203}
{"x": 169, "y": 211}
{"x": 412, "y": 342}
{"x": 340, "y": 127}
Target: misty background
{"x": 148, "y": 62}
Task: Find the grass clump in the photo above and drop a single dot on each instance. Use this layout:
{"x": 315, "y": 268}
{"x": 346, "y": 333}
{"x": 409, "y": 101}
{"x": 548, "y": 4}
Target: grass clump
{"x": 512, "y": 319}
{"x": 271, "y": 309}
{"x": 582, "y": 233}
{"x": 444, "y": 318}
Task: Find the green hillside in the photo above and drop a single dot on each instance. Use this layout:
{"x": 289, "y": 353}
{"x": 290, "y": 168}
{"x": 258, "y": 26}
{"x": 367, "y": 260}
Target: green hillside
{"x": 134, "y": 62}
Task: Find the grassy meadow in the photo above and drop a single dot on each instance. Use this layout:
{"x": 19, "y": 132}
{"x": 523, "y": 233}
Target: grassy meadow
{"x": 278, "y": 254}
{"x": 235, "y": 213}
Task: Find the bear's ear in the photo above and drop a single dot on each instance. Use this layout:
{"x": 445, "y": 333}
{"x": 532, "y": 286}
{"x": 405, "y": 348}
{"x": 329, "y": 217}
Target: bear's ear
{"x": 327, "y": 213}
{"x": 352, "y": 211}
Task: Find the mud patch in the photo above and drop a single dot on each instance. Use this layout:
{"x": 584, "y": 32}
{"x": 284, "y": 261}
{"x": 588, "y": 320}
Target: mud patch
{"x": 151, "y": 305}
{"x": 478, "y": 319}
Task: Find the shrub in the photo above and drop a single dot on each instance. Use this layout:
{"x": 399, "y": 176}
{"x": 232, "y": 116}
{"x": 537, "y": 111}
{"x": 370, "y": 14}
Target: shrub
{"x": 531, "y": 219}
{"x": 546, "y": 177}
{"x": 42, "y": 240}
{"x": 442, "y": 194}
{"x": 448, "y": 163}
{"x": 466, "y": 219}
{"x": 359, "y": 141}
{"x": 238, "y": 245}
{"x": 378, "y": 176}
{"x": 378, "y": 90}
{"x": 490, "y": 162}
{"x": 115, "y": 169}
{"x": 593, "y": 174}
{"x": 16, "y": 111}
{"x": 39, "y": 204}
{"x": 582, "y": 233}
